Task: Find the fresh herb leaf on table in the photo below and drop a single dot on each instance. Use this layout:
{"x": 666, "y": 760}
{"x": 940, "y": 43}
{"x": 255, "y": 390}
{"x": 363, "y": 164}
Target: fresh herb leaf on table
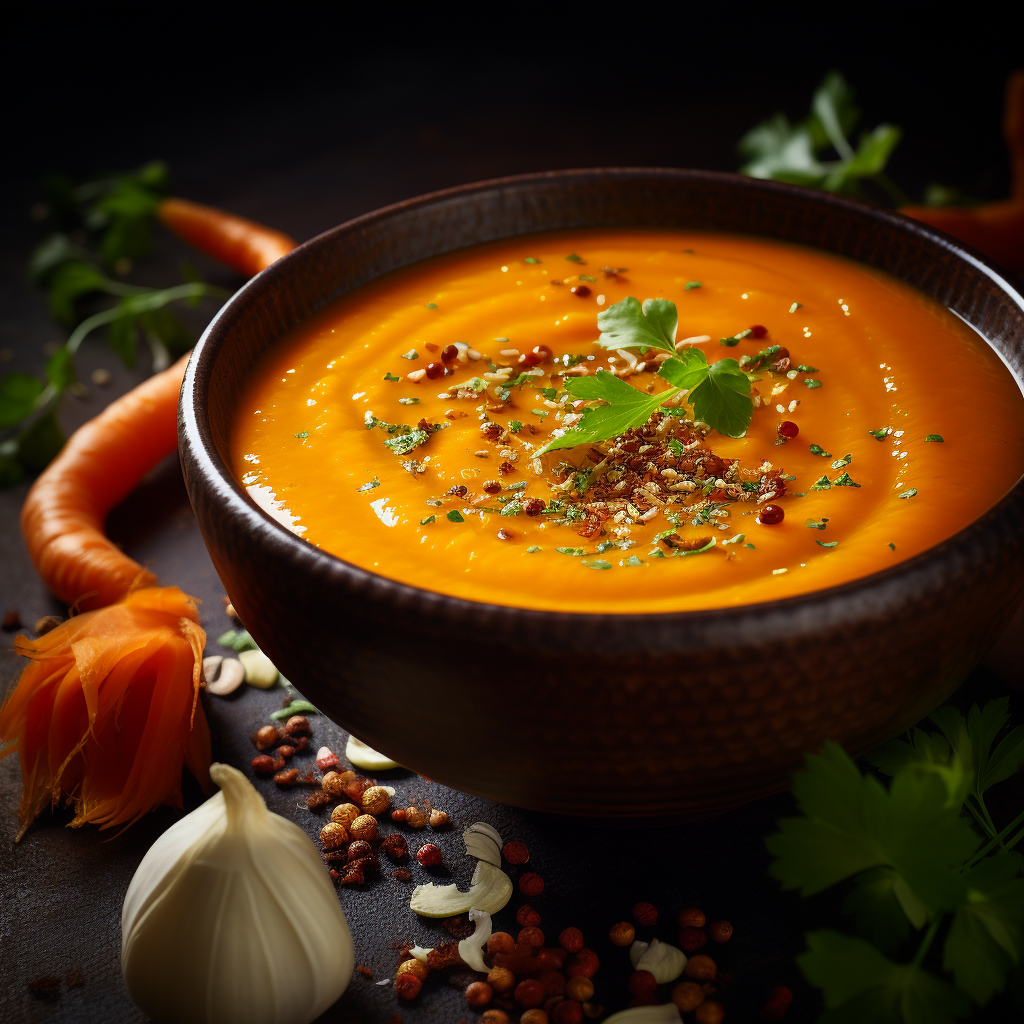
{"x": 929, "y": 895}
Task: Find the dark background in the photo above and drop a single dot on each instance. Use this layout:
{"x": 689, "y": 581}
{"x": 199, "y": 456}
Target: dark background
{"x": 303, "y": 123}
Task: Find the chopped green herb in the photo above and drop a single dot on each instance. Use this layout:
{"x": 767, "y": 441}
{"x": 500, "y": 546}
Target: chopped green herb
{"x": 690, "y": 285}
{"x": 549, "y": 393}
{"x": 391, "y": 377}
{"x": 807, "y": 369}
{"x": 411, "y": 354}
{"x": 879, "y": 435}
{"x": 533, "y": 548}
{"x": 573, "y": 258}
{"x": 893, "y": 546}
{"x": 751, "y": 546}
{"x": 844, "y": 461}
{"x": 513, "y": 506}
{"x": 828, "y": 543}
{"x": 817, "y": 524}
{"x": 597, "y": 563}
{"x": 908, "y": 494}
{"x": 238, "y": 640}
{"x": 431, "y": 305}
{"x": 454, "y": 516}
{"x": 302, "y": 434}
{"x": 427, "y": 520}
{"x": 816, "y": 449}
{"x": 796, "y": 306}
{"x": 409, "y": 401}
{"x": 515, "y": 426}
{"x": 541, "y": 413}
{"x": 935, "y": 437}
{"x": 405, "y": 443}
{"x": 520, "y": 485}
{"x": 821, "y": 484}
{"x": 369, "y": 485}
{"x": 587, "y": 277}
{"x": 739, "y": 538}
{"x": 571, "y": 551}
{"x": 844, "y": 481}
{"x": 676, "y": 446}
{"x": 633, "y": 561}
{"x": 531, "y": 259}
{"x": 729, "y": 342}
{"x": 811, "y": 382}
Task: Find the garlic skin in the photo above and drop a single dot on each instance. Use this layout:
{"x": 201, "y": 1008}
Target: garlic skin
{"x": 231, "y": 918}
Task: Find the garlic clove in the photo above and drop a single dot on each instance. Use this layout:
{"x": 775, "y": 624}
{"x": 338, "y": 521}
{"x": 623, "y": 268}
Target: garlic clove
{"x": 259, "y": 669}
{"x": 420, "y": 952}
{"x": 208, "y": 932}
{"x": 223, "y": 675}
{"x": 665, "y": 962}
{"x": 483, "y": 842}
{"x": 667, "y": 1013}
{"x": 489, "y": 890}
{"x": 471, "y": 948}
{"x": 362, "y": 755}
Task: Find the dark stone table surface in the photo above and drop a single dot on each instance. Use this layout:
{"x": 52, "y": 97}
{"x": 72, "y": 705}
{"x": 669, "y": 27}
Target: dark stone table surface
{"x": 365, "y": 129}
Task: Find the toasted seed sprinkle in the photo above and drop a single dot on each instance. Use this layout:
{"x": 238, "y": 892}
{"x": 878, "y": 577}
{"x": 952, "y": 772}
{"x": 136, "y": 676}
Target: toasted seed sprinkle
{"x": 416, "y": 375}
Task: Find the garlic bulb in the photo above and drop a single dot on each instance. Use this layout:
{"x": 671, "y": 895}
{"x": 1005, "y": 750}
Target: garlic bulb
{"x": 231, "y": 917}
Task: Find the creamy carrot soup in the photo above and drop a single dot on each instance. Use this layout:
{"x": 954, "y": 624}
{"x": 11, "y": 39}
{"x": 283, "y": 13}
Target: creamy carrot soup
{"x": 516, "y": 423}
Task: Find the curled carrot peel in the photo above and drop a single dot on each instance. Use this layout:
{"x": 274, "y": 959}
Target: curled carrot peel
{"x": 241, "y": 244}
{"x": 107, "y": 712}
{"x": 996, "y": 229}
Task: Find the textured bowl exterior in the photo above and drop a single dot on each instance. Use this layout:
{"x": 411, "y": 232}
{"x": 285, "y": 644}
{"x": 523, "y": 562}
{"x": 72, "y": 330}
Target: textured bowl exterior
{"x": 613, "y": 715}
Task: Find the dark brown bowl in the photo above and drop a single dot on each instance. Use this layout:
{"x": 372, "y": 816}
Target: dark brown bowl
{"x": 686, "y": 713}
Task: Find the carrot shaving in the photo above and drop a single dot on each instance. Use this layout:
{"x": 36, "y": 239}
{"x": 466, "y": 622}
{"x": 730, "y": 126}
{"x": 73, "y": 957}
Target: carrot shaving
{"x": 108, "y": 711}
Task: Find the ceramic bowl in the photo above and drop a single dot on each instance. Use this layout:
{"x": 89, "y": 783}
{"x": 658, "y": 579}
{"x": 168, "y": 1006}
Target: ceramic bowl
{"x": 613, "y": 715}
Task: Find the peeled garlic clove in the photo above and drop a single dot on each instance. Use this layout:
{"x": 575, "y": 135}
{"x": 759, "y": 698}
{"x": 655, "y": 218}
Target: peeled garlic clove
{"x": 471, "y": 948}
{"x": 667, "y": 1013}
{"x": 223, "y": 675}
{"x": 665, "y": 962}
{"x": 364, "y": 756}
{"x": 210, "y": 935}
{"x": 420, "y": 952}
{"x": 259, "y": 669}
{"x": 483, "y": 842}
{"x": 489, "y": 890}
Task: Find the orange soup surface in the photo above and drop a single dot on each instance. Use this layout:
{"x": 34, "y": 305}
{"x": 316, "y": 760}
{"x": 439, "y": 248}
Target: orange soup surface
{"x": 398, "y": 428}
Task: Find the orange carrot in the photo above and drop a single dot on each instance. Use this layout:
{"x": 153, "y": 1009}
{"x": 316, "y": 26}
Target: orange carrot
{"x": 107, "y": 712}
{"x": 241, "y": 244}
{"x": 62, "y": 518}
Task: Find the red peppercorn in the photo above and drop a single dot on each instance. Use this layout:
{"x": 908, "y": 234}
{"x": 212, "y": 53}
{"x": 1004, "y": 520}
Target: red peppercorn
{"x": 692, "y": 939}
{"x": 787, "y": 428}
{"x": 492, "y": 431}
{"x": 450, "y": 352}
{"x": 778, "y": 1003}
{"x": 568, "y": 1012}
{"x": 645, "y": 914}
{"x": 771, "y": 515}
{"x": 515, "y": 852}
{"x": 435, "y": 370}
{"x": 504, "y": 534}
{"x": 581, "y": 291}
{"x": 720, "y": 931}
{"x": 394, "y": 847}
{"x": 500, "y": 942}
{"x": 533, "y": 506}
{"x": 407, "y": 985}
{"x": 690, "y": 917}
{"x": 492, "y": 486}
{"x": 479, "y": 993}
{"x": 571, "y": 940}
{"x": 757, "y": 331}
{"x": 287, "y": 751}
{"x": 429, "y": 855}
{"x": 459, "y": 490}
{"x": 263, "y": 764}
{"x": 358, "y": 849}
{"x": 529, "y": 993}
{"x": 542, "y": 352}
{"x": 642, "y": 983}
{"x": 532, "y": 935}
{"x": 531, "y": 884}
{"x": 583, "y": 964}
{"x": 399, "y": 814}
{"x": 527, "y": 915}
{"x": 783, "y": 353}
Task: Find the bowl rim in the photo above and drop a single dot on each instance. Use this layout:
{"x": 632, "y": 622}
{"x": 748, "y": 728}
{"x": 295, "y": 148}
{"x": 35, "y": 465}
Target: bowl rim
{"x": 199, "y": 450}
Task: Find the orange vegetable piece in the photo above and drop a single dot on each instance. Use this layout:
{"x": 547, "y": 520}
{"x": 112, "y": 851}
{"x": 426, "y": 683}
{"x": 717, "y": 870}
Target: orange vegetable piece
{"x": 241, "y": 244}
{"x": 108, "y": 711}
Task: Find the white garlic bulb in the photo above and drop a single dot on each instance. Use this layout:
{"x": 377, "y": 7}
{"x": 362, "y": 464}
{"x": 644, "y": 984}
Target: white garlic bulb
{"x": 231, "y": 917}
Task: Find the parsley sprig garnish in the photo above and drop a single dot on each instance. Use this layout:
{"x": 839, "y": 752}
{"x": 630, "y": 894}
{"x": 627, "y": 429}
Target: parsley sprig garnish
{"x": 921, "y": 875}
{"x": 719, "y": 393}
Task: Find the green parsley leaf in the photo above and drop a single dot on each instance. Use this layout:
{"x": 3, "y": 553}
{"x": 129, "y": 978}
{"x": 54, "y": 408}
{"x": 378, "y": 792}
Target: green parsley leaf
{"x": 723, "y": 399}
{"x": 845, "y": 481}
{"x": 533, "y": 548}
{"x": 431, "y": 305}
{"x": 935, "y": 437}
{"x": 409, "y": 401}
{"x": 587, "y": 277}
{"x": 686, "y": 370}
{"x": 405, "y": 443}
{"x": 571, "y": 551}
{"x": 828, "y": 543}
{"x": 807, "y": 369}
{"x": 573, "y": 258}
{"x": 369, "y": 485}
{"x": 531, "y": 259}
{"x": 810, "y": 382}
{"x": 821, "y": 484}
{"x": 676, "y": 446}
{"x": 730, "y": 342}
{"x": 816, "y": 449}
{"x": 391, "y": 377}
{"x": 880, "y": 435}
{"x": 542, "y": 413}
{"x": 817, "y": 524}
{"x": 427, "y": 520}
{"x": 454, "y": 516}
{"x": 844, "y": 461}
{"x": 18, "y": 394}
{"x": 627, "y": 324}
{"x": 302, "y": 434}
{"x": 411, "y": 354}
{"x": 908, "y": 494}
{"x": 597, "y": 563}
{"x": 690, "y": 285}
{"x": 515, "y": 426}
{"x": 893, "y": 546}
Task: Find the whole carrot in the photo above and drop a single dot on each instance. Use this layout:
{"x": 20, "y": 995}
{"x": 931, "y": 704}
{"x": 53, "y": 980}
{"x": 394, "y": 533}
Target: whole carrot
{"x": 241, "y": 244}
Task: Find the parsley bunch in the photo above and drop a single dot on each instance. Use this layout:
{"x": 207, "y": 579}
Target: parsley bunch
{"x": 929, "y": 869}
{"x": 719, "y": 394}
{"x": 102, "y": 226}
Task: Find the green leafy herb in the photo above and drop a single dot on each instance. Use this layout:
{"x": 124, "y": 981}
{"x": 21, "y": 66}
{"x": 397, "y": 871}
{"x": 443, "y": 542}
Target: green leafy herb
{"x": 409, "y": 401}
{"x": 533, "y": 548}
{"x": 690, "y": 285}
{"x": 454, "y": 516}
{"x": 844, "y": 461}
{"x": 238, "y": 640}
{"x": 935, "y": 437}
{"x": 426, "y": 520}
{"x": 828, "y": 543}
{"x": 405, "y": 443}
{"x": 817, "y": 524}
{"x": 811, "y": 382}
{"x": 908, "y": 494}
{"x": 627, "y": 324}
{"x": 880, "y": 435}
{"x": 531, "y": 259}
{"x": 816, "y": 449}
{"x": 411, "y": 354}
{"x": 597, "y": 563}
{"x": 893, "y": 546}
{"x": 302, "y": 434}
{"x": 807, "y": 369}
{"x": 844, "y": 481}
{"x": 587, "y": 277}
{"x": 431, "y": 305}
{"x": 571, "y": 551}
{"x": 821, "y": 484}
{"x": 369, "y": 485}
{"x": 632, "y": 561}
{"x": 391, "y": 377}
{"x": 573, "y": 258}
